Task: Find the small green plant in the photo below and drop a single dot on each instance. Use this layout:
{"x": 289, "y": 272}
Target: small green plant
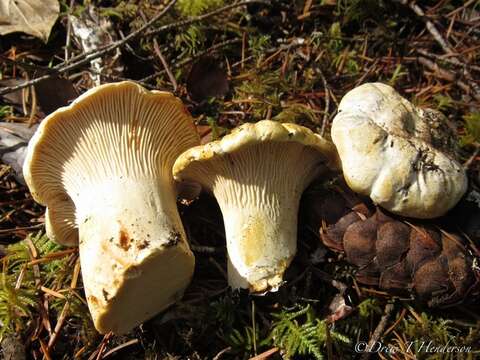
{"x": 20, "y": 281}
{"x": 358, "y": 324}
{"x": 217, "y": 131}
{"x": 369, "y": 307}
{"x": 434, "y": 331}
{"x": 472, "y": 129}
{"x": 5, "y": 111}
{"x": 16, "y": 304}
{"x": 335, "y": 33}
{"x": 297, "y": 113}
{"x": 197, "y": 7}
{"x": 190, "y": 40}
{"x": 245, "y": 341}
{"x": 443, "y": 102}
{"x": 397, "y": 74}
{"x": 264, "y": 91}
{"x": 300, "y": 332}
{"x": 121, "y": 11}
{"x": 18, "y": 291}
{"x": 359, "y": 10}
{"x": 258, "y": 45}
{"x": 438, "y": 330}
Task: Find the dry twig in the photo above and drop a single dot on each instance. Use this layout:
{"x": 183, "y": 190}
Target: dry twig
{"x": 378, "y": 331}
{"x": 447, "y": 75}
{"x": 165, "y": 65}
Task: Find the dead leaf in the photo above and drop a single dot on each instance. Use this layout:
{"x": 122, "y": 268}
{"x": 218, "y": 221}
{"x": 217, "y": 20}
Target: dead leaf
{"x": 34, "y": 17}
{"x": 205, "y": 133}
{"x": 339, "y": 308}
{"x": 206, "y": 79}
{"x": 14, "y": 98}
{"x": 54, "y": 92}
{"x": 14, "y": 139}
{"x": 51, "y": 93}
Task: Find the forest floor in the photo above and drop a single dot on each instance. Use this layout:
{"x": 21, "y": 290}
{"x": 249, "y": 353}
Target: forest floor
{"x": 231, "y": 63}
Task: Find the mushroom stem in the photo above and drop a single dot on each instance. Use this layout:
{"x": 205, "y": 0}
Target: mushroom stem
{"x": 132, "y": 246}
{"x": 260, "y": 220}
{"x": 261, "y": 243}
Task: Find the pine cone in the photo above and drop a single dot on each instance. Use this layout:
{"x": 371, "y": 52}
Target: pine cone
{"x": 397, "y": 255}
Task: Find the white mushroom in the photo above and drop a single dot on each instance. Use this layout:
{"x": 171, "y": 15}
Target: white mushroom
{"x": 403, "y": 157}
{"x": 102, "y": 166}
{"x": 258, "y": 174}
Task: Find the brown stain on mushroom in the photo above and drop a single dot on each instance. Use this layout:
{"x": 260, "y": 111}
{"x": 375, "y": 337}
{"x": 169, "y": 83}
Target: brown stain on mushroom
{"x": 124, "y": 239}
{"x": 92, "y": 300}
{"x": 143, "y": 245}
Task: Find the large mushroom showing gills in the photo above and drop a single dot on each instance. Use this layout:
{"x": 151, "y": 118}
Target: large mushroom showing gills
{"x": 103, "y": 168}
{"x": 402, "y": 156}
{"x": 257, "y": 174}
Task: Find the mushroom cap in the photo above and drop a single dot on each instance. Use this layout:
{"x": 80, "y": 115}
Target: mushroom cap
{"x": 249, "y": 134}
{"x": 403, "y": 157}
{"x": 111, "y": 131}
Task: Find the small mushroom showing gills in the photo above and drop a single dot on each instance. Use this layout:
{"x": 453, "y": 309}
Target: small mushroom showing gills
{"x": 102, "y": 166}
{"x": 403, "y": 157}
{"x": 258, "y": 173}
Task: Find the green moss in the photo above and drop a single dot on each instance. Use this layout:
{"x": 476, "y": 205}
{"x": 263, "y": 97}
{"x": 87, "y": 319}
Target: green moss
{"x": 301, "y": 332}
{"x": 472, "y": 129}
{"x": 197, "y": 7}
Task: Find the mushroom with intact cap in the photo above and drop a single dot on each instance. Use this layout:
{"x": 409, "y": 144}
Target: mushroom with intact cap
{"x": 102, "y": 166}
{"x": 258, "y": 173}
{"x": 403, "y": 157}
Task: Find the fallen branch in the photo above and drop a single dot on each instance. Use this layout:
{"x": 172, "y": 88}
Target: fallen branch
{"x": 28, "y": 66}
{"x": 327, "y": 101}
{"x": 171, "y": 77}
{"x": 442, "y": 58}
